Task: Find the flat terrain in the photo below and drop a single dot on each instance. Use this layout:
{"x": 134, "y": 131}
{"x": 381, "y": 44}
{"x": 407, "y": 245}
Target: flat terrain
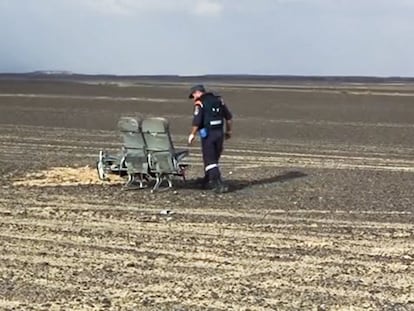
{"x": 320, "y": 213}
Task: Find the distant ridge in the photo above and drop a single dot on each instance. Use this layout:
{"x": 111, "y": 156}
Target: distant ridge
{"x": 251, "y": 78}
{"x": 50, "y": 72}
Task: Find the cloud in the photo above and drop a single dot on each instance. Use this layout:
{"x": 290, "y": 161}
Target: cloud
{"x": 134, "y": 7}
{"x": 208, "y": 8}
{"x": 264, "y": 36}
{"x": 110, "y": 7}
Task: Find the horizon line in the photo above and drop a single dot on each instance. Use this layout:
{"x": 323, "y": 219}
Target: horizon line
{"x": 69, "y": 73}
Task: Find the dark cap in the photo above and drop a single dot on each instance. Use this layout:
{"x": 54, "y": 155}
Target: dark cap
{"x": 198, "y": 87}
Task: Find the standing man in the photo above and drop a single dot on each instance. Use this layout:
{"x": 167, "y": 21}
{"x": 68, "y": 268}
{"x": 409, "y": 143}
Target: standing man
{"x": 209, "y": 117}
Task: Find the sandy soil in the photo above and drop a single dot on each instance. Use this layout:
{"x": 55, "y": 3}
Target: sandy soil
{"x": 319, "y": 215}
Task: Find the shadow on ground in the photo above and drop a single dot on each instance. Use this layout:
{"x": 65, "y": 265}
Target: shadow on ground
{"x": 236, "y": 185}
{"x": 240, "y": 184}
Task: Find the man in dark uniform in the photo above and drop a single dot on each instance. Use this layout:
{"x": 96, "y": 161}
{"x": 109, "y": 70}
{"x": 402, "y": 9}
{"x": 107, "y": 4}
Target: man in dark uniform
{"x": 210, "y": 116}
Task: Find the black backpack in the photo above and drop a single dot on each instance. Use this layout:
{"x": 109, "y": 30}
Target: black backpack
{"x": 213, "y": 111}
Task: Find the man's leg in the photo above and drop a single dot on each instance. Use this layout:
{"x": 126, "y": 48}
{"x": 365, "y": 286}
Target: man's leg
{"x": 214, "y": 172}
{"x": 217, "y": 146}
{"x": 203, "y": 181}
{"x": 209, "y": 150}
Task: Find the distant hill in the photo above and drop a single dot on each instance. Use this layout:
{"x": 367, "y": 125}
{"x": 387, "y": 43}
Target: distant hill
{"x": 239, "y": 78}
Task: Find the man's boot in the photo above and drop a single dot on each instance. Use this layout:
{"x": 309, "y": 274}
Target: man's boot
{"x": 219, "y": 186}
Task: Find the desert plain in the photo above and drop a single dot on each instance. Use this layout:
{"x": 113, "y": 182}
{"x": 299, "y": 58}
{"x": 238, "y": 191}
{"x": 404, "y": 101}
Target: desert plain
{"x": 319, "y": 215}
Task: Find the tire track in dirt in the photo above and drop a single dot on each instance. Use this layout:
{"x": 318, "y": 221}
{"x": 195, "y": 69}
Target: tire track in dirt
{"x": 276, "y": 242}
{"x": 168, "y": 255}
{"x": 251, "y": 158}
{"x": 91, "y": 97}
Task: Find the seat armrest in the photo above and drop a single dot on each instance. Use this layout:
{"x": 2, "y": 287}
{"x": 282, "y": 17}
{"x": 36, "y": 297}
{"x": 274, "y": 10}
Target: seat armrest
{"x": 180, "y": 154}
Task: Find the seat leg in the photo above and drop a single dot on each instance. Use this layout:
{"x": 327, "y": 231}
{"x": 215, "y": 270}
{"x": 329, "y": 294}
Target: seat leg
{"x": 141, "y": 181}
{"x": 101, "y": 167}
{"x": 130, "y": 180}
{"x": 170, "y": 184}
{"x": 158, "y": 181}
{"x": 183, "y": 174}
{"x": 167, "y": 178}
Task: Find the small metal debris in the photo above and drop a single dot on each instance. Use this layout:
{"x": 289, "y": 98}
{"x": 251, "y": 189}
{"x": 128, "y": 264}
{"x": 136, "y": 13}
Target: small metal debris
{"x": 166, "y": 212}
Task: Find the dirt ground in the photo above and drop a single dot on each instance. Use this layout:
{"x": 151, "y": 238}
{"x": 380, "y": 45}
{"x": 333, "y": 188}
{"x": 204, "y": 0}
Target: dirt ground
{"x": 319, "y": 215}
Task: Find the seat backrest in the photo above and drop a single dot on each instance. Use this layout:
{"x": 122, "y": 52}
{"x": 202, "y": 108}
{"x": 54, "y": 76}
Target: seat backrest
{"x": 131, "y": 134}
{"x": 159, "y": 145}
{"x": 134, "y": 147}
{"x": 157, "y": 134}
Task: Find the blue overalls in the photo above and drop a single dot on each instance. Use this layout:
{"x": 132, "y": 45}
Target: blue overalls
{"x": 209, "y": 115}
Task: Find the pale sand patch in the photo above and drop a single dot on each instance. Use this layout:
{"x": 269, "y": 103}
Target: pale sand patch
{"x": 65, "y": 176}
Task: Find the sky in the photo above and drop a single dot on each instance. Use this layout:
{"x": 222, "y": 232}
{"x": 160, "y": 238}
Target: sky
{"x": 195, "y": 37}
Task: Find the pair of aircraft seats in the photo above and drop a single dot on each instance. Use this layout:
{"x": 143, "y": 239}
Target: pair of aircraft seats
{"x": 148, "y": 152}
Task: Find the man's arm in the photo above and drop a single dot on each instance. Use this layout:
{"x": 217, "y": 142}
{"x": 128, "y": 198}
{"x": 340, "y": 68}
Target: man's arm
{"x": 193, "y": 134}
{"x": 197, "y": 121}
{"x": 229, "y": 123}
{"x": 227, "y": 133}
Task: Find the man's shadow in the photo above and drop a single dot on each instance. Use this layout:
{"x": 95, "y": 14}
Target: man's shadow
{"x": 240, "y": 184}
{"x": 237, "y": 185}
